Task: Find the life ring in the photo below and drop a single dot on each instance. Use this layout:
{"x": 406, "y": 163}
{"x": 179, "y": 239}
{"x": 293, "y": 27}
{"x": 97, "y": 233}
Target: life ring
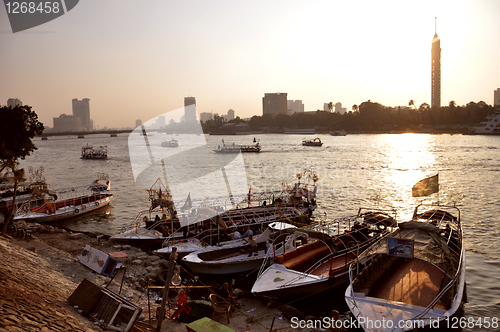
{"x": 381, "y": 226}
{"x": 76, "y": 211}
{"x": 96, "y": 203}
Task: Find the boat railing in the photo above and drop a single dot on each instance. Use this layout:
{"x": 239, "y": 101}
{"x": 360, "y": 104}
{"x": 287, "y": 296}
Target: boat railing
{"x": 271, "y": 254}
{"x": 453, "y": 280}
{"x": 136, "y": 222}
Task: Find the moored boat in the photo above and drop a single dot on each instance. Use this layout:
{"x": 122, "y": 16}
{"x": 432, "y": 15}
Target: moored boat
{"x": 413, "y": 277}
{"x": 322, "y": 263}
{"x": 205, "y": 221}
{"x": 236, "y": 256}
{"x": 314, "y": 142}
{"x": 221, "y": 229}
{"x": 70, "y": 202}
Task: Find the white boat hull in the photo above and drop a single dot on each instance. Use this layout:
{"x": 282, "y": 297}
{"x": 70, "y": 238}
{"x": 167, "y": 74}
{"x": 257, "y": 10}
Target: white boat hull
{"x": 69, "y": 211}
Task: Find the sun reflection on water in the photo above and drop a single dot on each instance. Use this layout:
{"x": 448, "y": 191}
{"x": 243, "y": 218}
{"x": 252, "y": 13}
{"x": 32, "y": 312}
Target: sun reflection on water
{"x": 409, "y": 159}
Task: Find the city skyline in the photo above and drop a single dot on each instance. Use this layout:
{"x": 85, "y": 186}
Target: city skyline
{"x": 137, "y": 61}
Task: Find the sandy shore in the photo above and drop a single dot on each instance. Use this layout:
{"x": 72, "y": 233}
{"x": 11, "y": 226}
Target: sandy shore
{"x": 38, "y": 274}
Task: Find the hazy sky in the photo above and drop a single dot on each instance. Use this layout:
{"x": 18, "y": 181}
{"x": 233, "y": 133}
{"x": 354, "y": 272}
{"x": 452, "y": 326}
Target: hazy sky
{"x": 139, "y": 59}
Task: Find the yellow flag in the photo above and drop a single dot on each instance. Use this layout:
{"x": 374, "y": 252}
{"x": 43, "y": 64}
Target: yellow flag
{"x": 426, "y": 186}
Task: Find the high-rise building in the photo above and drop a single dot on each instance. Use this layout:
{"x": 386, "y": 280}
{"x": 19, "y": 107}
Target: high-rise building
{"x": 67, "y": 123}
{"x": 189, "y": 109}
{"x": 339, "y": 109}
{"x": 230, "y": 115}
{"x": 274, "y": 103}
{"x": 138, "y": 123}
{"x": 295, "y": 106}
{"x": 81, "y": 109}
{"x": 13, "y": 102}
{"x": 436, "y": 71}
{"x": 496, "y": 97}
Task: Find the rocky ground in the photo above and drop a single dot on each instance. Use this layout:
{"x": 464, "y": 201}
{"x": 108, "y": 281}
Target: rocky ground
{"x": 39, "y": 270}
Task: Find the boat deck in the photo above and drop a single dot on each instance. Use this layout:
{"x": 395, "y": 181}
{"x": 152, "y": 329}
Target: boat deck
{"x": 415, "y": 282}
{"x": 333, "y": 264}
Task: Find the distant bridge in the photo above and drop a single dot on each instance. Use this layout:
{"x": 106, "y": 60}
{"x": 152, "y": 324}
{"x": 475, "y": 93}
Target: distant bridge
{"x": 85, "y": 133}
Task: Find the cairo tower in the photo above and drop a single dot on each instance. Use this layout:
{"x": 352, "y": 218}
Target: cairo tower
{"x": 436, "y": 71}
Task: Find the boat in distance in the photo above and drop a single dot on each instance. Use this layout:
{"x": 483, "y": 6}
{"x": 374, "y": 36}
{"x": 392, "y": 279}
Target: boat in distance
{"x": 322, "y": 262}
{"x": 89, "y": 152}
{"x": 235, "y": 148}
{"x": 314, "y": 142}
{"x": 491, "y": 126}
{"x": 173, "y": 143}
{"x": 413, "y": 277}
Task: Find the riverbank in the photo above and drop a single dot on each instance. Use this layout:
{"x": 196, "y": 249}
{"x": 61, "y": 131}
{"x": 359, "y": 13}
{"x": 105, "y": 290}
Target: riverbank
{"x": 40, "y": 270}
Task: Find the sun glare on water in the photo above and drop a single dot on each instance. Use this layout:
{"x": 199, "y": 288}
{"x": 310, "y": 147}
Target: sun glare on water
{"x": 409, "y": 160}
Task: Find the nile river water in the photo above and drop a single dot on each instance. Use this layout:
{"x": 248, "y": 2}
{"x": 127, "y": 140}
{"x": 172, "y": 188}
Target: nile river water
{"x": 354, "y": 171}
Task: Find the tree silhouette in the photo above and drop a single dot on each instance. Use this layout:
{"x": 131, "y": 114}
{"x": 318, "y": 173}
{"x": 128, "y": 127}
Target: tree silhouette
{"x": 18, "y": 126}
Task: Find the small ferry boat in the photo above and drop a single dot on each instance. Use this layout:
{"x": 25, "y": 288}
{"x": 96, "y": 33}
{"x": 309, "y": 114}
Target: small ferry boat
{"x": 173, "y": 143}
{"x": 314, "y": 142}
{"x": 415, "y": 274}
{"x": 235, "y": 148}
{"x": 89, "y": 152}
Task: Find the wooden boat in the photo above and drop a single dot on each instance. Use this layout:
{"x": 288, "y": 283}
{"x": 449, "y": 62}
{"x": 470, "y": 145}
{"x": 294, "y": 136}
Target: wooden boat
{"x": 71, "y": 202}
{"x": 314, "y": 142}
{"x": 323, "y": 262}
{"x": 413, "y": 277}
{"x": 219, "y": 230}
{"x": 201, "y": 223}
{"x": 233, "y": 257}
{"x": 89, "y": 152}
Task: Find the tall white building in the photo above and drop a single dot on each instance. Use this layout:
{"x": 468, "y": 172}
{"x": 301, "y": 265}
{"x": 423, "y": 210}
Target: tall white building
{"x": 295, "y": 106}
{"x": 339, "y": 109}
{"x": 190, "y": 109}
{"x": 230, "y": 115}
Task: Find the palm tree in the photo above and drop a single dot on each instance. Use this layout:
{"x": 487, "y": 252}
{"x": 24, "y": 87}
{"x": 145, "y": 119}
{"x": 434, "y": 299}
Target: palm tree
{"x": 330, "y": 106}
{"x": 412, "y": 103}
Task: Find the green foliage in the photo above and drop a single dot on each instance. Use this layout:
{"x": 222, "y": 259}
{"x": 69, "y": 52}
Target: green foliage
{"x": 18, "y": 126}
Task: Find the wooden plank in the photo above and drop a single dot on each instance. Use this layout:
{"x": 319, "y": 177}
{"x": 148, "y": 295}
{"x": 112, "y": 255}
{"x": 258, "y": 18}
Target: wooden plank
{"x": 415, "y": 282}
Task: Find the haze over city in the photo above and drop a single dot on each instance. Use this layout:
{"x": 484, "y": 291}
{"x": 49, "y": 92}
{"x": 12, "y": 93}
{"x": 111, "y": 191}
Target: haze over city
{"x": 137, "y": 60}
